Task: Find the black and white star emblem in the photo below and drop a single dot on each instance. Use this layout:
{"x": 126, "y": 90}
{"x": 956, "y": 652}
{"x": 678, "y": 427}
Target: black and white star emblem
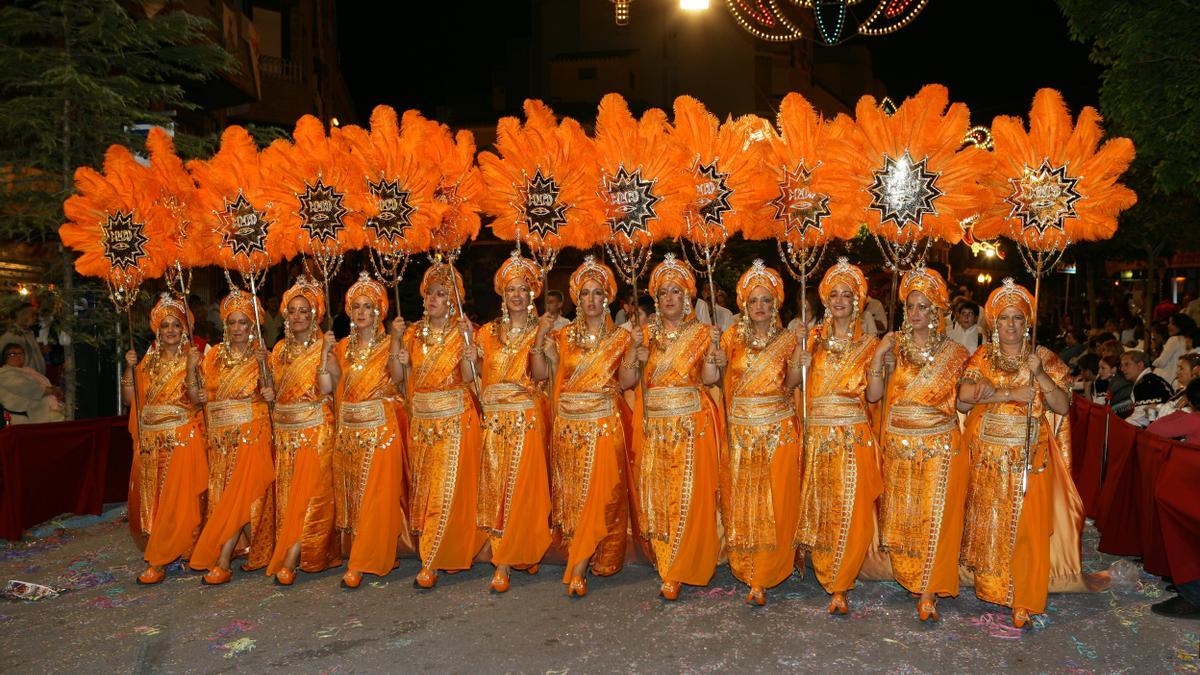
{"x": 1044, "y": 197}
{"x": 124, "y": 240}
{"x": 630, "y": 202}
{"x": 904, "y": 191}
{"x": 797, "y": 206}
{"x": 544, "y": 214}
{"x": 712, "y": 193}
{"x": 395, "y": 212}
{"x": 243, "y": 228}
{"x": 321, "y": 212}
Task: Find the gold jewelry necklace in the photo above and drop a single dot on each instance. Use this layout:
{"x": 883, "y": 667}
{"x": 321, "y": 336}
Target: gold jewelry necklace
{"x": 358, "y": 353}
{"x": 293, "y": 348}
{"x": 919, "y": 356}
{"x": 1006, "y": 363}
{"x": 158, "y": 362}
{"x": 432, "y": 337}
{"x": 666, "y": 337}
{"x": 230, "y": 358}
{"x": 581, "y": 337}
{"x": 512, "y": 338}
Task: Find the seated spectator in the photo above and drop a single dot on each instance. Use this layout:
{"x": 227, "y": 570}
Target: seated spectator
{"x": 1182, "y": 424}
{"x": 965, "y": 328}
{"x": 1131, "y": 329}
{"x": 1112, "y": 388}
{"x": 1179, "y": 329}
{"x": 1185, "y": 372}
{"x": 26, "y": 394}
{"x": 1088, "y": 367}
{"x": 1074, "y": 348}
{"x": 1149, "y": 390}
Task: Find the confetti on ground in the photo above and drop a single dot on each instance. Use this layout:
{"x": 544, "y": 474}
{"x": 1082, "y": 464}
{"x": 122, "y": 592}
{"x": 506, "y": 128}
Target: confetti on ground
{"x": 238, "y": 647}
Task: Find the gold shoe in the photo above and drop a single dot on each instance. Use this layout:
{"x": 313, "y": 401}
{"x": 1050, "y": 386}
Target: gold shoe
{"x": 532, "y": 569}
{"x": 426, "y": 578}
{"x": 285, "y": 577}
{"x": 153, "y": 575}
{"x": 577, "y": 587}
{"x": 352, "y": 579}
{"x": 839, "y": 604}
{"x": 499, "y": 582}
{"x": 1020, "y": 617}
{"x": 757, "y": 596}
{"x": 927, "y": 609}
{"x": 217, "y": 576}
{"x": 669, "y": 590}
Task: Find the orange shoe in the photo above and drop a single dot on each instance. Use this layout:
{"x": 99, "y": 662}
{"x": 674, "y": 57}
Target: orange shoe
{"x": 499, "y": 582}
{"x": 532, "y": 569}
{"x": 153, "y": 575}
{"x": 426, "y": 578}
{"x": 217, "y": 576}
{"x": 1020, "y": 617}
{"x": 352, "y": 579}
{"x": 669, "y": 590}
{"x": 927, "y": 609}
{"x": 285, "y": 577}
{"x": 577, "y": 587}
{"x": 757, "y": 596}
{"x": 839, "y": 604}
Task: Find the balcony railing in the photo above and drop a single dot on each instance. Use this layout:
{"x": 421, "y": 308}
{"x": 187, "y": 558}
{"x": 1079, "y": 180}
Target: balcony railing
{"x": 280, "y": 69}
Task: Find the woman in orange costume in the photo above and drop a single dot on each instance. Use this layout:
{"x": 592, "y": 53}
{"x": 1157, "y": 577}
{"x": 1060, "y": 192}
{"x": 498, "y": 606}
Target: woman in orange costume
{"x": 170, "y": 469}
{"x": 924, "y": 469}
{"x": 368, "y": 457}
{"x": 676, "y": 434}
{"x": 514, "y": 491}
{"x": 305, "y": 374}
{"x": 841, "y": 477}
{"x": 443, "y": 446}
{"x": 761, "y": 466}
{"x": 592, "y": 362}
{"x": 1006, "y": 541}
{"x": 240, "y": 500}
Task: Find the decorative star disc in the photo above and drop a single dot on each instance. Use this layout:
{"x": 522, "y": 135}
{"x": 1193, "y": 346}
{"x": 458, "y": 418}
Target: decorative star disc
{"x": 797, "y": 206}
{"x": 321, "y": 212}
{"x": 395, "y": 212}
{"x": 124, "y": 240}
{"x": 243, "y": 229}
{"x": 544, "y": 214}
{"x": 904, "y": 191}
{"x": 712, "y": 193}
{"x": 630, "y": 202}
{"x": 1044, "y": 197}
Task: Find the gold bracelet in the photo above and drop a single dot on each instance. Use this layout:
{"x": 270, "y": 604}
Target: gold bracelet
{"x": 875, "y": 372}
{"x": 630, "y": 365}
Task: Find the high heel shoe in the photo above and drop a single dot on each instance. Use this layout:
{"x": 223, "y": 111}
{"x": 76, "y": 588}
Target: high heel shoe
{"x": 757, "y": 596}
{"x": 499, "y": 582}
{"x": 669, "y": 590}
{"x": 352, "y": 579}
{"x": 927, "y": 609}
{"x": 1020, "y": 617}
{"x": 577, "y": 587}
{"x": 839, "y": 604}
{"x": 532, "y": 569}
{"x": 152, "y": 575}
{"x": 285, "y": 576}
{"x": 217, "y": 576}
{"x": 426, "y": 578}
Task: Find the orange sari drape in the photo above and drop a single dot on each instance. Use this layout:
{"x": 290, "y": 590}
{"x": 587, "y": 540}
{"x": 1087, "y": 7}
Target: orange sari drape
{"x": 589, "y": 440}
{"x": 239, "y": 461}
{"x": 760, "y": 464}
{"x": 169, "y": 477}
{"x": 303, "y": 424}
{"x": 925, "y": 472}
{"x": 841, "y": 478}
{"x": 675, "y": 460}
{"x": 513, "y": 506}
{"x": 443, "y": 453}
{"x": 369, "y": 456}
{"x": 1007, "y": 536}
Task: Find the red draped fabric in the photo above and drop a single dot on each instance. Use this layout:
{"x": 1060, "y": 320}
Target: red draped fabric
{"x": 1118, "y": 513}
{"x": 1178, "y": 500}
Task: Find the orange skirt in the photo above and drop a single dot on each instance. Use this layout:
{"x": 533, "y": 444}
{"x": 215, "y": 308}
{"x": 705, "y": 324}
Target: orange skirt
{"x": 304, "y": 497}
{"x": 514, "y": 506}
{"x": 771, "y": 565}
{"x": 177, "y": 513}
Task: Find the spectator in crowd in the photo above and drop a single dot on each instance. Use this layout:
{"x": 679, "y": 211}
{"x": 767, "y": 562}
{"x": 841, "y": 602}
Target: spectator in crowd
{"x": 1149, "y": 389}
{"x": 1111, "y": 348}
{"x": 1185, "y": 372}
{"x": 628, "y": 304}
{"x": 1131, "y": 331}
{"x": 645, "y": 309}
{"x": 1192, "y": 309}
{"x": 1164, "y": 309}
{"x": 874, "y": 317}
{"x": 201, "y": 335}
{"x": 1183, "y": 424}
{"x": 27, "y": 396}
{"x": 812, "y": 311}
{"x": 965, "y": 328}
{"x": 553, "y": 304}
{"x": 20, "y": 331}
{"x": 724, "y": 317}
{"x": 272, "y": 322}
{"x": 1112, "y": 388}
{"x": 1179, "y": 331}
{"x": 1074, "y": 348}
{"x": 1088, "y": 369}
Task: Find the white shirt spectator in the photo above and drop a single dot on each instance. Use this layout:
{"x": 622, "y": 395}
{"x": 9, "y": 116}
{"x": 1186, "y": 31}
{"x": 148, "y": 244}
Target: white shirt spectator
{"x": 874, "y": 310}
{"x": 969, "y": 338}
{"x": 23, "y": 394}
{"x": 1166, "y": 362}
{"x": 724, "y": 316}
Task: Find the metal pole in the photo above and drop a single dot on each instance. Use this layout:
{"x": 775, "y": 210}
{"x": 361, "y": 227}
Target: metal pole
{"x": 120, "y": 397}
{"x": 804, "y": 327}
{"x": 466, "y": 334}
{"x": 1037, "y": 287}
{"x": 137, "y": 403}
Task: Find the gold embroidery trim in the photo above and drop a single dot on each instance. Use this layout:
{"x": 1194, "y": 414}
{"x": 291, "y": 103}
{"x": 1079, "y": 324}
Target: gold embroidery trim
{"x": 433, "y": 405}
{"x": 585, "y": 406}
{"x": 228, "y": 413}
{"x": 159, "y": 418}
{"x": 298, "y": 416}
{"x": 506, "y": 397}
{"x": 754, "y": 411}
{"x": 362, "y": 415}
{"x": 918, "y": 420}
{"x": 672, "y": 401}
{"x": 836, "y": 411}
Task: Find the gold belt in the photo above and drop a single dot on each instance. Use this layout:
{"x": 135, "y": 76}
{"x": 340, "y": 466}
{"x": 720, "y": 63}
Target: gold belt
{"x": 585, "y": 405}
{"x": 302, "y": 415}
{"x": 432, "y": 405}
{"x": 755, "y": 410}
{"x": 362, "y": 415}
{"x": 918, "y": 420}
{"x": 1002, "y": 429}
{"x": 836, "y": 411}
{"x": 672, "y": 401}
{"x": 230, "y": 412}
{"x": 506, "y": 397}
{"x": 163, "y": 417}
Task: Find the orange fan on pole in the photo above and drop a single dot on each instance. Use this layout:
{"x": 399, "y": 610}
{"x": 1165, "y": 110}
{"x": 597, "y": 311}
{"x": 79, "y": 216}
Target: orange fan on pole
{"x": 177, "y": 191}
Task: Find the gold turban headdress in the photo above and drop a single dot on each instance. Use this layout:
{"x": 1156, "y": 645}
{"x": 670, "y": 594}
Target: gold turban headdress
{"x": 305, "y": 288}
{"x": 849, "y": 275}
{"x": 759, "y": 275}
{"x": 169, "y": 305}
{"x": 368, "y": 288}
{"x": 445, "y": 274}
{"x": 671, "y": 270}
{"x": 591, "y": 270}
{"x": 518, "y": 267}
{"x": 241, "y": 301}
{"x": 1009, "y": 294}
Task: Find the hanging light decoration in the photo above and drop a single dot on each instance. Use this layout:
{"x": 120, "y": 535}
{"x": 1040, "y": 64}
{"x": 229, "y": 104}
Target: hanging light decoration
{"x": 835, "y": 20}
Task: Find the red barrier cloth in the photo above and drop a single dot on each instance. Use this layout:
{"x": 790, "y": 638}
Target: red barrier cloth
{"x": 1087, "y": 450}
{"x": 65, "y": 467}
{"x": 1118, "y": 514}
{"x": 1152, "y": 452}
{"x": 1178, "y": 500}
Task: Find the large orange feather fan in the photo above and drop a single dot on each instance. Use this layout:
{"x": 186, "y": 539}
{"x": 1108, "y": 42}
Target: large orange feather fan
{"x": 311, "y": 176}
{"x": 234, "y": 195}
{"x": 395, "y": 190}
{"x": 810, "y": 207}
{"x": 117, "y": 223}
{"x": 728, "y": 193}
{"x": 194, "y": 240}
{"x": 541, "y": 187}
{"x": 1056, "y": 183}
{"x": 921, "y": 181}
{"x": 460, "y": 184}
{"x": 641, "y": 183}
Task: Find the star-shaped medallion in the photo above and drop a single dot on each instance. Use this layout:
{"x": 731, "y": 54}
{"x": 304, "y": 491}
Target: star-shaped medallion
{"x": 797, "y": 206}
{"x": 630, "y": 201}
{"x": 544, "y": 214}
{"x": 394, "y": 210}
{"x": 243, "y": 228}
{"x": 904, "y": 191}
{"x": 124, "y": 240}
{"x": 321, "y": 212}
{"x": 1044, "y": 197}
{"x": 712, "y": 193}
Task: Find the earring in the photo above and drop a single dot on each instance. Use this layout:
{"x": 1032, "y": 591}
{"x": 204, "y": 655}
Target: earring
{"x": 687, "y": 305}
{"x": 995, "y": 336}
{"x": 530, "y": 308}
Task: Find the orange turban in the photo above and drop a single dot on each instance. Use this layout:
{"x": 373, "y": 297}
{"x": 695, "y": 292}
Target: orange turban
{"x": 1008, "y": 295}
{"x": 848, "y": 275}
{"x": 670, "y": 270}
{"x": 169, "y": 305}
{"x": 368, "y": 288}
{"x": 517, "y": 267}
{"x": 305, "y": 288}
{"x": 442, "y": 273}
{"x": 241, "y": 301}
{"x": 929, "y": 283}
{"x": 759, "y": 275}
{"x": 598, "y": 272}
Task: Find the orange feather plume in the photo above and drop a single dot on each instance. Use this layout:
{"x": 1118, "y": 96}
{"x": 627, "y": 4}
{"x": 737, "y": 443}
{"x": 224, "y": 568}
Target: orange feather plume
{"x": 395, "y": 190}
{"x": 194, "y": 241}
{"x": 460, "y": 184}
{"x": 116, "y": 221}
{"x": 728, "y": 193}
{"x": 641, "y": 184}
{"x": 234, "y": 196}
{"x": 541, "y": 186}
{"x": 1055, "y": 183}
{"x": 921, "y": 181}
